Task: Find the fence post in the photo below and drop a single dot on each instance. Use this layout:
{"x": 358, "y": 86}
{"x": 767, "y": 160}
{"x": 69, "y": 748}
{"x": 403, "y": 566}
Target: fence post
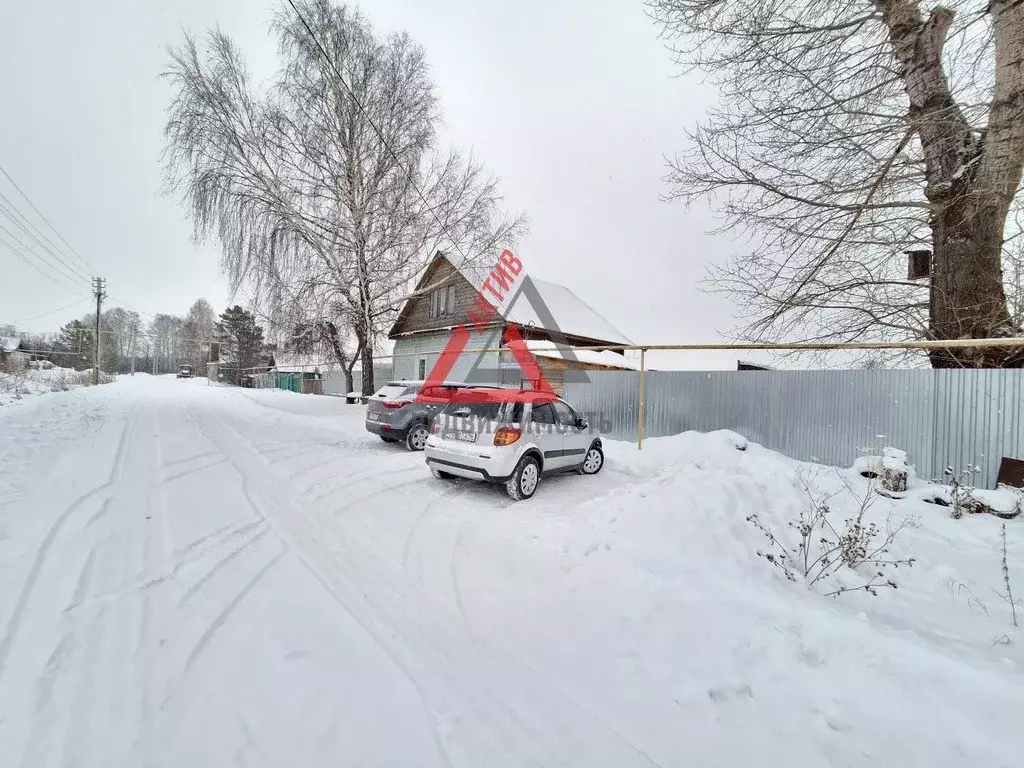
{"x": 640, "y": 412}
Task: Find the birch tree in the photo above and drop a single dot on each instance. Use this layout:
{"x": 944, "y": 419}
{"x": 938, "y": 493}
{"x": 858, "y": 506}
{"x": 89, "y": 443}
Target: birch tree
{"x": 198, "y": 333}
{"x": 328, "y": 187}
{"x": 847, "y": 134}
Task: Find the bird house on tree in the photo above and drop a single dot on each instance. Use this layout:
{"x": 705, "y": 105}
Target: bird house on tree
{"x": 919, "y": 264}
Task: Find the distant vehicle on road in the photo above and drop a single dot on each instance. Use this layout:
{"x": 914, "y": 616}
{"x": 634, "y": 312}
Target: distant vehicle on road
{"x": 396, "y": 414}
{"x": 184, "y": 371}
{"x": 513, "y": 437}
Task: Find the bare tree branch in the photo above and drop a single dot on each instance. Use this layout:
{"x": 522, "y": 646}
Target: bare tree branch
{"x": 327, "y": 189}
{"x": 846, "y": 134}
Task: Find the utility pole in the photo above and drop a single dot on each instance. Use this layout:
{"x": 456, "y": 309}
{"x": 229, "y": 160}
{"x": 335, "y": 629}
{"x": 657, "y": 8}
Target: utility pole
{"x": 98, "y": 284}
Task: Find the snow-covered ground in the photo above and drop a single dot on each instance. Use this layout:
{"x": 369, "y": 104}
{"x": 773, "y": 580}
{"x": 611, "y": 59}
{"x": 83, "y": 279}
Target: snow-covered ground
{"x": 206, "y": 576}
{"x": 36, "y": 381}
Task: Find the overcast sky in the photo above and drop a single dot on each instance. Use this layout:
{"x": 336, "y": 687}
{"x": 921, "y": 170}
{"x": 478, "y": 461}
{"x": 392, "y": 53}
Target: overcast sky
{"x": 572, "y": 103}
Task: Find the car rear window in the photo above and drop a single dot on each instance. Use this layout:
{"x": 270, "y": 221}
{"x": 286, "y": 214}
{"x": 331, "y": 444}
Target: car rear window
{"x": 393, "y": 390}
{"x": 431, "y": 392}
{"x": 485, "y": 411}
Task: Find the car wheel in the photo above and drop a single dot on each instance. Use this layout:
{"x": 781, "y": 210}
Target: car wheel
{"x": 389, "y": 439}
{"x": 523, "y": 483}
{"x": 441, "y": 475}
{"x": 416, "y": 438}
{"x": 593, "y": 461}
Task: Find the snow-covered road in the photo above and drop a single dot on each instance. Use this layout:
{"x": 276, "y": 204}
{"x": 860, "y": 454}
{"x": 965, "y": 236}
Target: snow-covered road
{"x": 206, "y": 576}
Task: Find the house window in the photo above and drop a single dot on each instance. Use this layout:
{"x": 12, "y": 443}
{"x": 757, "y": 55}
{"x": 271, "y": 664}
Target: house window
{"x": 442, "y": 301}
{"x": 422, "y": 370}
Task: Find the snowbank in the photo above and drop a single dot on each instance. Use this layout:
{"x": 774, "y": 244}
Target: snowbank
{"x": 37, "y": 381}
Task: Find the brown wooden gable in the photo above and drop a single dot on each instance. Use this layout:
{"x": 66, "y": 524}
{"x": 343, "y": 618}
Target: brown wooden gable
{"x": 415, "y": 315}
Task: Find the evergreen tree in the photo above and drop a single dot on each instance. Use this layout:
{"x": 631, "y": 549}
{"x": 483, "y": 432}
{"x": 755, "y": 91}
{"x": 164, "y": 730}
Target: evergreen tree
{"x": 241, "y": 341}
{"x": 73, "y": 347}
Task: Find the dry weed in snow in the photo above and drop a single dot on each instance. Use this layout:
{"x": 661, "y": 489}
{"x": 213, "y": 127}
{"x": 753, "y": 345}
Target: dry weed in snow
{"x": 1008, "y": 597}
{"x": 13, "y": 386}
{"x": 823, "y": 550}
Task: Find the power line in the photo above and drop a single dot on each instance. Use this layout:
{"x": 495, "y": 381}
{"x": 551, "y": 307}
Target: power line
{"x": 38, "y": 269}
{"x": 380, "y": 134}
{"x": 9, "y": 209}
{"x": 44, "y": 314}
{"x": 51, "y": 257}
{"x": 129, "y": 306}
{"x": 89, "y": 266}
{"x": 56, "y": 267}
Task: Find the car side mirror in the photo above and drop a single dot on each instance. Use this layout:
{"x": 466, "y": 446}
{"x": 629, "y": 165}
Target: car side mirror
{"x": 581, "y": 423}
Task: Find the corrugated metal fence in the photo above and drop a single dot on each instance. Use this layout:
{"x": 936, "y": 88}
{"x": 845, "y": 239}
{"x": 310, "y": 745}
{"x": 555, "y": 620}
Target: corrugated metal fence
{"x": 334, "y": 381}
{"x": 946, "y": 417}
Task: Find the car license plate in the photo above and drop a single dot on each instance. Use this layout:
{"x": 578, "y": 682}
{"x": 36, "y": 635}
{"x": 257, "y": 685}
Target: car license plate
{"x": 373, "y": 416}
{"x": 466, "y": 437}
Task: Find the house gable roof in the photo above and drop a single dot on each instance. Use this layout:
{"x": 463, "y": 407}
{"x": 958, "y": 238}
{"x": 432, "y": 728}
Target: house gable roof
{"x": 427, "y": 282}
{"x": 573, "y": 316}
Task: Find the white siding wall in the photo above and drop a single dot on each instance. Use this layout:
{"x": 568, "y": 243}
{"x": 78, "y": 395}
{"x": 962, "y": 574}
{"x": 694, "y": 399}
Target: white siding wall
{"x": 409, "y": 350}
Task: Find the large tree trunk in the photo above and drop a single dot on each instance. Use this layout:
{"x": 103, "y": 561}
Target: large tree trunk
{"x": 339, "y": 354}
{"x": 968, "y": 301}
{"x": 971, "y": 177}
{"x": 366, "y": 357}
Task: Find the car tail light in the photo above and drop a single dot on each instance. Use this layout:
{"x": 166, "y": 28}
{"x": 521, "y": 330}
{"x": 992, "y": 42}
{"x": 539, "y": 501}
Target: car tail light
{"x": 507, "y": 436}
{"x": 394, "y": 405}
{"x": 435, "y": 428}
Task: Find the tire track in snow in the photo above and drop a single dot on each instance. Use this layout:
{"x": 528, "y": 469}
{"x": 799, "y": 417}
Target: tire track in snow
{"x": 219, "y": 566}
{"x": 83, "y": 582}
{"x": 381, "y": 627}
{"x": 429, "y": 712}
{"x": 38, "y": 745}
{"x": 356, "y": 479}
{"x": 228, "y": 609}
{"x": 449, "y": 494}
{"x": 190, "y": 414}
{"x": 66, "y": 691}
{"x": 454, "y": 573}
{"x": 90, "y": 633}
{"x": 104, "y": 508}
{"x": 224, "y": 533}
{"x": 487, "y": 696}
{"x": 187, "y": 472}
{"x": 312, "y": 447}
{"x": 186, "y": 459}
{"x": 544, "y": 681}
{"x": 14, "y": 623}
{"x": 311, "y": 467}
{"x": 378, "y": 492}
{"x": 491, "y": 703}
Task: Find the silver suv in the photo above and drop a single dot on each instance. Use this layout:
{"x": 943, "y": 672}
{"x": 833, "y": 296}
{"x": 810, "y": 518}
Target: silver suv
{"x": 511, "y": 437}
{"x": 401, "y": 411}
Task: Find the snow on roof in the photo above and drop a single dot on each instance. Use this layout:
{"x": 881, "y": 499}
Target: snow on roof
{"x": 607, "y": 358}
{"x": 9, "y": 343}
{"x": 572, "y": 315}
